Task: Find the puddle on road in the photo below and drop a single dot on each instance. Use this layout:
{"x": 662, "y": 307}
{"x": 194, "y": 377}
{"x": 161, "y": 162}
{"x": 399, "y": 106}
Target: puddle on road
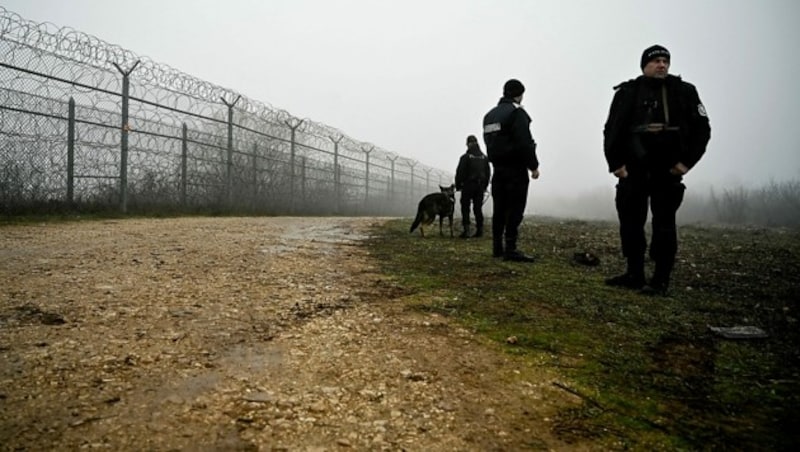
{"x": 246, "y": 361}
{"x": 238, "y": 363}
{"x": 327, "y": 233}
{"x": 316, "y": 238}
{"x": 280, "y": 248}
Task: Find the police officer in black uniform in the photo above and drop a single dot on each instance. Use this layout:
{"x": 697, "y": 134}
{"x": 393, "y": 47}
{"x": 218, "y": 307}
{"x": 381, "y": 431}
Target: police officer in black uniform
{"x": 472, "y": 179}
{"x": 512, "y": 151}
{"x": 657, "y": 130}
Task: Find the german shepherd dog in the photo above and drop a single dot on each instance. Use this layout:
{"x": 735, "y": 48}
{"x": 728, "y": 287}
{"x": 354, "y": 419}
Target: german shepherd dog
{"x": 434, "y": 204}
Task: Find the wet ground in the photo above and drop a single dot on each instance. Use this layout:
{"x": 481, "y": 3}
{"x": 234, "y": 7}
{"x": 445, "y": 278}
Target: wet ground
{"x": 242, "y": 334}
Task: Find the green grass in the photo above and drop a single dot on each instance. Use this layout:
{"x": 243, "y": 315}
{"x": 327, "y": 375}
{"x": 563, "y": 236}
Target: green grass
{"x": 651, "y": 373}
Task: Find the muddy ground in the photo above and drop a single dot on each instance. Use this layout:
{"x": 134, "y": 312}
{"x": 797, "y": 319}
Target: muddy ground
{"x": 243, "y": 334}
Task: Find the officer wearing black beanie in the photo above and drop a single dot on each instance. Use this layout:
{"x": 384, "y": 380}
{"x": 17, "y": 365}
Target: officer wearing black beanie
{"x": 653, "y": 52}
{"x": 513, "y": 88}
{"x": 657, "y": 130}
{"x": 472, "y": 179}
{"x": 512, "y": 152}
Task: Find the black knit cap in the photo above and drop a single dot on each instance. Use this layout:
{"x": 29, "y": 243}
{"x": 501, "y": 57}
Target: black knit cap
{"x": 513, "y": 88}
{"x": 653, "y": 52}
{"x": 471, "y": 139}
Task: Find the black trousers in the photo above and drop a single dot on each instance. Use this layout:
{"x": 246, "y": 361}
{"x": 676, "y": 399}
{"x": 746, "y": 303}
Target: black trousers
{"x": 510, "y": 196}
{"x": 664, "y": 196}
{"x": 472, "y": 196}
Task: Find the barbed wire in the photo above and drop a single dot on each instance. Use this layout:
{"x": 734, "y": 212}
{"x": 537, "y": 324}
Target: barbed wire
{"x": 159, "y": 83}
{"x": 44, "y": 68}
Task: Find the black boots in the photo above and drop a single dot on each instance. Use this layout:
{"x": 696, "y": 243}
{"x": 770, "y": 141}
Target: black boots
{"x": 659, "y": 283}
{"x": 497, "y": 249}
{"x": 478, "y": 228}
{"x": 512, "y": 254}
{"x": 633, "y": 281}
{"x": 517, "y": 256}
{"x": 465, "y": 232}
{"x": 656, "y": 287}
{"x": 633, "y": 278}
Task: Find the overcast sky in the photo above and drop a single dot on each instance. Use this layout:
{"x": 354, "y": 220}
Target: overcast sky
{"x": 415, "y": 77}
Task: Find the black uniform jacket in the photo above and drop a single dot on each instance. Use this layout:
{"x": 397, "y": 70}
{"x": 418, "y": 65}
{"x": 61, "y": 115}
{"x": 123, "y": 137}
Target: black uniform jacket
{"x": 473, "y": 166}
{"x": 507, "y": 134}
{"x": 685, "y": 116}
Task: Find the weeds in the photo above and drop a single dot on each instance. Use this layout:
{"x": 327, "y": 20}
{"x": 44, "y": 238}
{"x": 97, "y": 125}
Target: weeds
{"x": 650, "y": 372}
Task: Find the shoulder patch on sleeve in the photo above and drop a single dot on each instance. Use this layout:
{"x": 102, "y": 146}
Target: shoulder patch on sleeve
{"x": 493, "y": 127}
{"x": 701, "y": 110}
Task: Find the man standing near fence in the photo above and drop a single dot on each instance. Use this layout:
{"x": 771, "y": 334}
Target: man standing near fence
{"x": 512, "y": 152}
{"x": 472, "y": 179}
{"x": 657, "y": 130}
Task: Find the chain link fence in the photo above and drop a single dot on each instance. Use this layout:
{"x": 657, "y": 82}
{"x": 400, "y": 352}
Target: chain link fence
{"x": 86, "y": 125}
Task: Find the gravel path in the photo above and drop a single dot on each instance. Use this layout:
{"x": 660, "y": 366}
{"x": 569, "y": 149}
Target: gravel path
{"x": 243, "y": 334}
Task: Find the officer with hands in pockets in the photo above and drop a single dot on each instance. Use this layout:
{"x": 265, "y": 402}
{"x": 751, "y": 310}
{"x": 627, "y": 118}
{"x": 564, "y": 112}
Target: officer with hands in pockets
{"x": 657, "y": 130}
{"x": 512, "y": 152}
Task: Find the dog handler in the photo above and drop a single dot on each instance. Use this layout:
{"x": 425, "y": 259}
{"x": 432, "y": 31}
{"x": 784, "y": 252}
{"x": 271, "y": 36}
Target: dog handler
{"x": 657, "y": 130}
{"x": 472, "y": 179}
{"x": 512, "y": 152}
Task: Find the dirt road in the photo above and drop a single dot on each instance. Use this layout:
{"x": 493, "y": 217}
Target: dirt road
{"x": 242, "y": 334}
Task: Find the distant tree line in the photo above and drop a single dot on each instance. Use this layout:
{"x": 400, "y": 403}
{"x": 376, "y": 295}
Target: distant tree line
{"x": 772, "y": 204}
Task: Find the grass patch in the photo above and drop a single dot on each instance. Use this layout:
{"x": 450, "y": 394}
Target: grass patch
{"x": 651, "y": 373}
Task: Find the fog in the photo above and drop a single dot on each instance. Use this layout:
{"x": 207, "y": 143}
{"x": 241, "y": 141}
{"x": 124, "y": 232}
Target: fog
{"x": 416, "y": 77}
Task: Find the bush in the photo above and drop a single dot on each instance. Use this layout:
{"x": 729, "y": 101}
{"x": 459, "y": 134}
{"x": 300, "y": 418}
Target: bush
{"x": 775, "y": 204}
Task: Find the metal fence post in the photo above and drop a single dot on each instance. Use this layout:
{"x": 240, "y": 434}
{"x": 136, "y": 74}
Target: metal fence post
{"x": 412, "y": 164}
{"x": 71, "y": 154}
{"x": 293, "y": 153}
{"x": 427, "y": 179}
{"x": 229, "y": 172}
{"x": 340, "y": 192}
{"x": 391, "y": 186}
{"x": 184, "y": 157}
{"x": 123, "y": 161}
{"x": 387, "y": 206}
{"x": 336, "y": 181}
{"x": 366, "y": 176}
{"x": 303, "y": 181}
{"x": 255, "y": 174}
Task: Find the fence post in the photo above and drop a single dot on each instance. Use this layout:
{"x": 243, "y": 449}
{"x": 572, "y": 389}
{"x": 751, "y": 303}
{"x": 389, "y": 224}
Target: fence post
{"x": 229, "y": 172}
{"x": 366, "y": 176}
{"x": 184, "y": 156}
{"x": 427, "y": 179}
{"x": 71, "y": 154}
{"x": 412, "y": 164}
{"x": 341, "y": 190}
{"x": 123, "y": 160}
{"x": 392, "y": 159}
{"x": 336, "y": 181}
{"x": 387, "y": 206}
{"x": 255, "y": 175}
{"x": 303, "y": 181}
{"x": 293, "y": 152}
